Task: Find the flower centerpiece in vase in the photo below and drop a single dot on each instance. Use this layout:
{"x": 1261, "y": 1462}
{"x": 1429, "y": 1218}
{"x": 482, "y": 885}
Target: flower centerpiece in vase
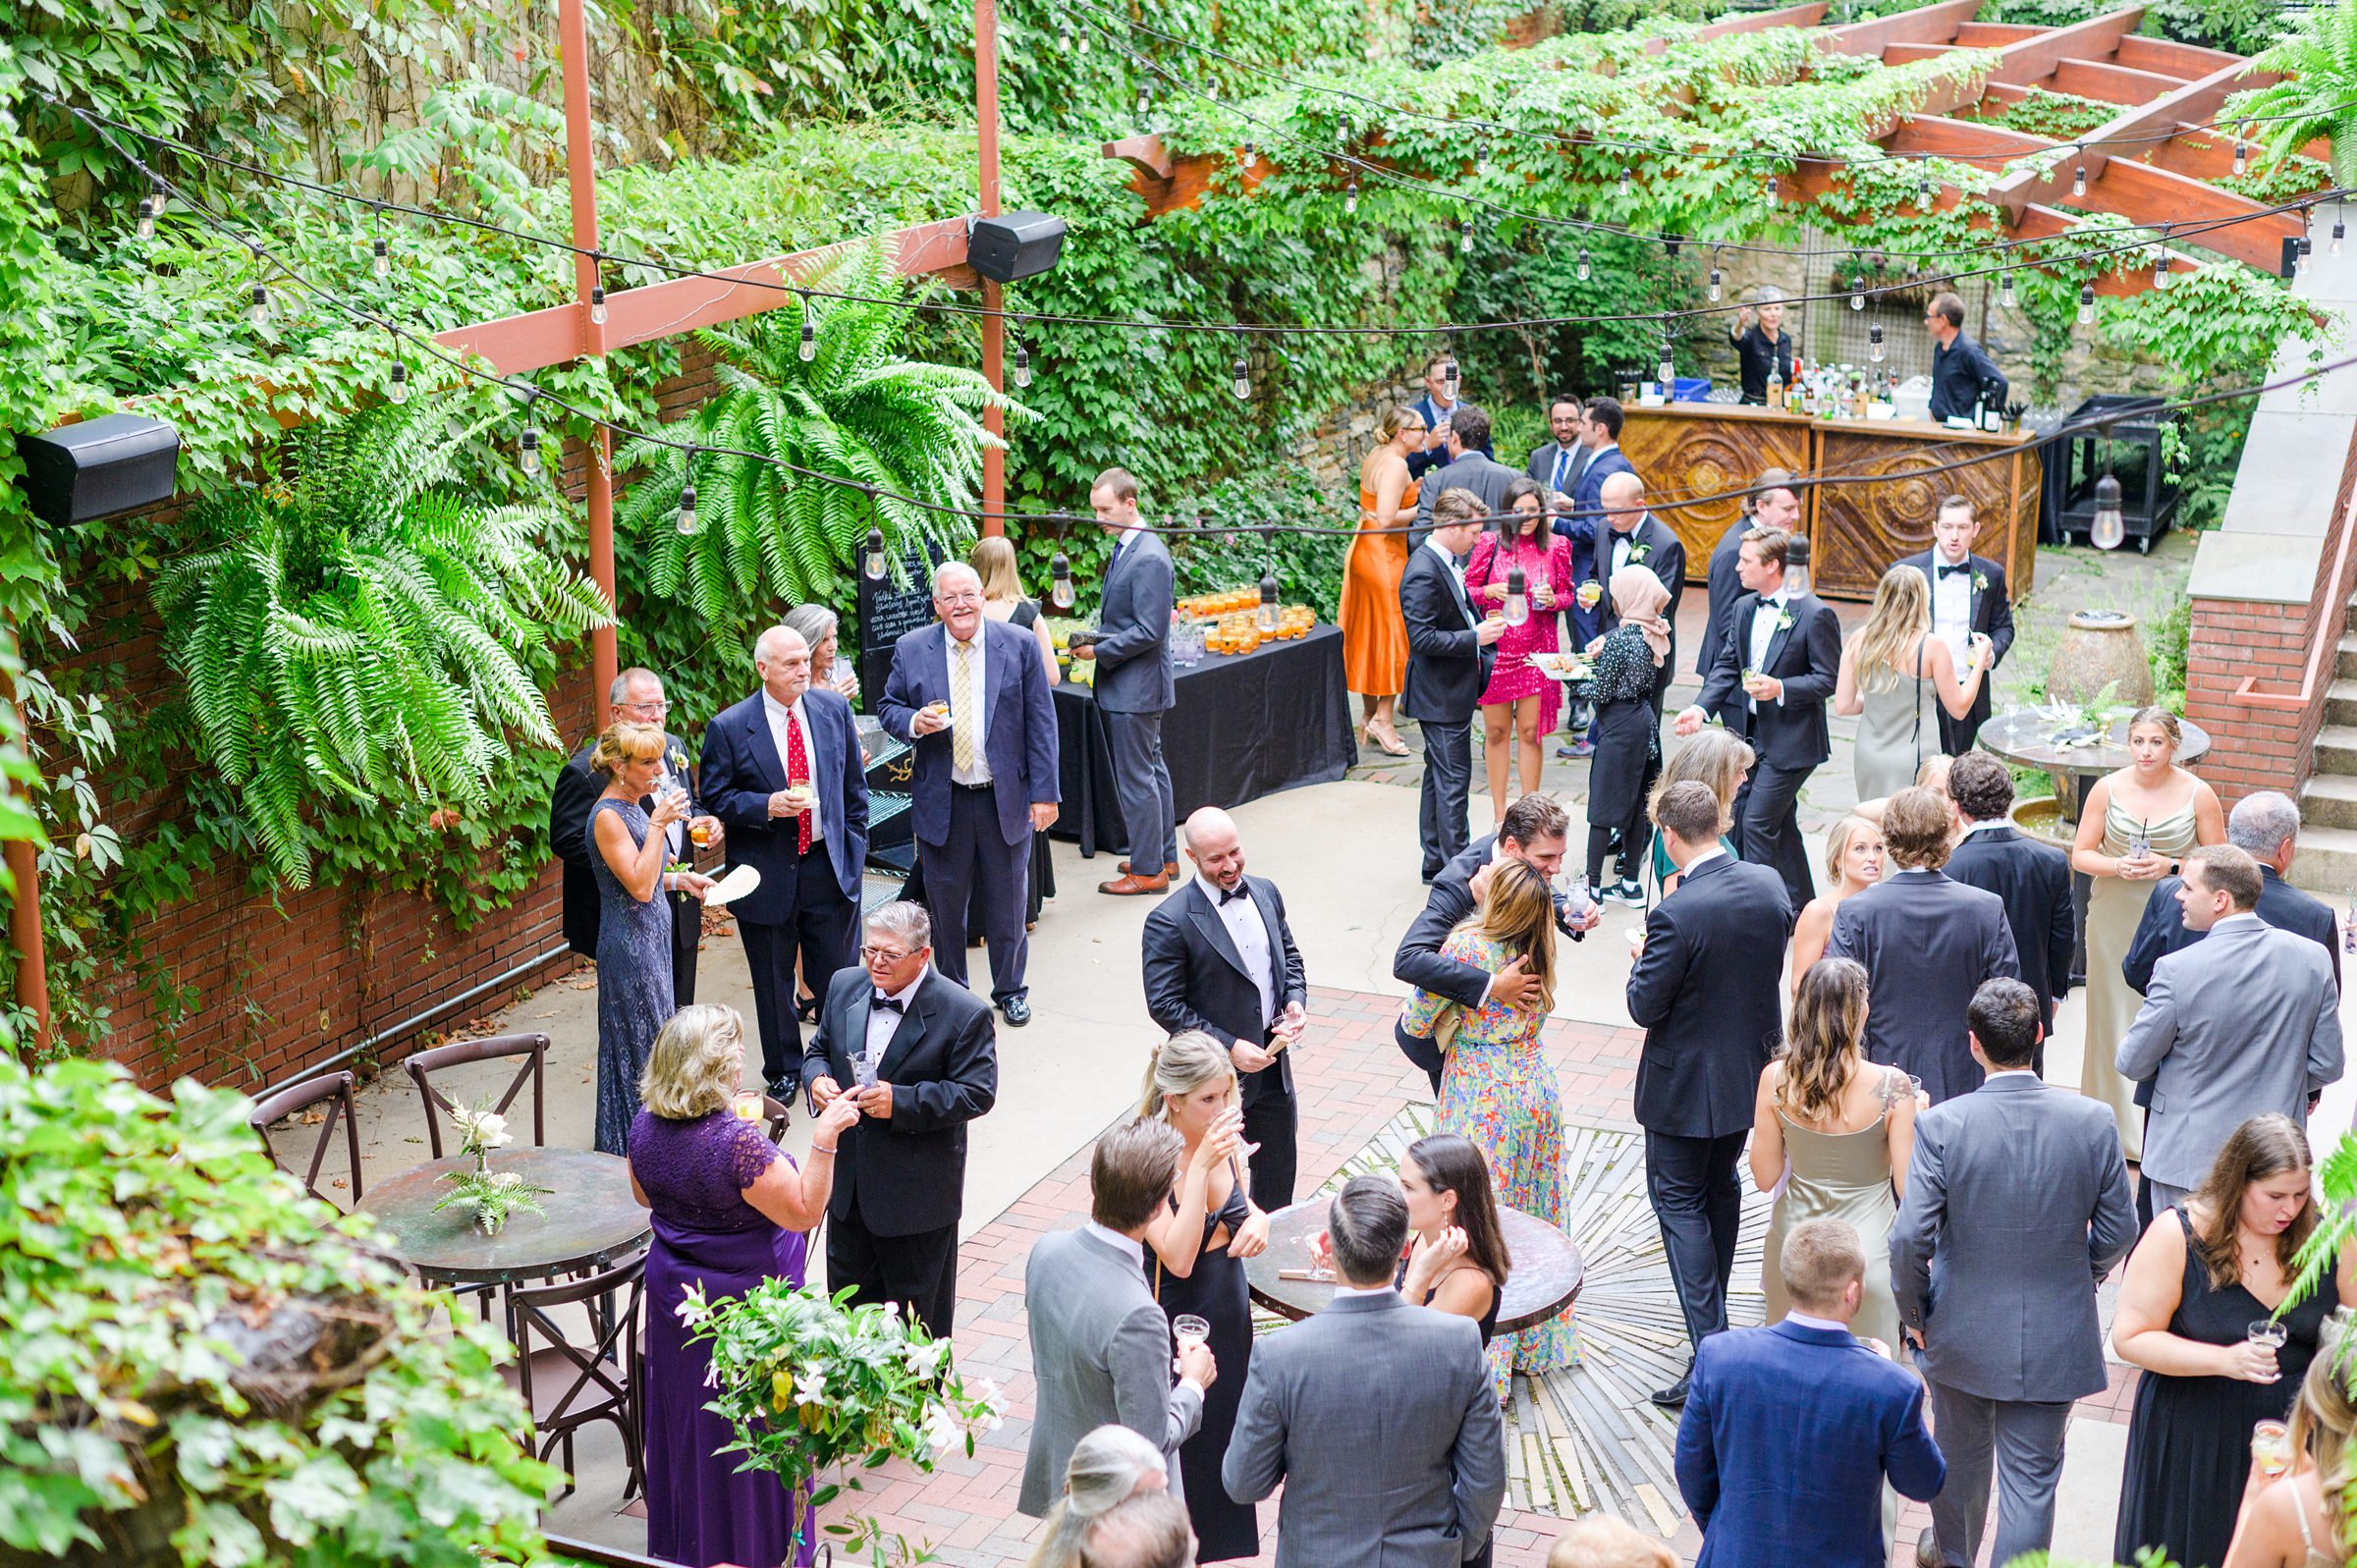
{"x": 818, "y": 1390}
{"x": 494, "y": 1194}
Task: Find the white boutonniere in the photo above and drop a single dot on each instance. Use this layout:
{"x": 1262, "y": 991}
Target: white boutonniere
{"x": 1639, "y": 552}
{"x": 677, "y": 761}
{"x": 1980, "y": 582}
{"x": 1783, "y": 620}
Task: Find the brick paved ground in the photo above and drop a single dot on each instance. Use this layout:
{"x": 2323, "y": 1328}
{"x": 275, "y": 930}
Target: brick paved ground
{"x": 1351, "y": 1081}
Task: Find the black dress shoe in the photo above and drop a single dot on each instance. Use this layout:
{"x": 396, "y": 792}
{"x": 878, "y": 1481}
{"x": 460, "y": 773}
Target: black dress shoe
{"x": 1671, "y": 1397}
{"x": 782, "y": 1089}
{"x": 1017, "y": 1011}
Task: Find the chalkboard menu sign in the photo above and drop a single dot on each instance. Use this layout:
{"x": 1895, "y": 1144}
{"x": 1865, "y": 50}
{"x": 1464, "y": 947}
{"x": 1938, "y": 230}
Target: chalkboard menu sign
{"x": 889, "y": 611}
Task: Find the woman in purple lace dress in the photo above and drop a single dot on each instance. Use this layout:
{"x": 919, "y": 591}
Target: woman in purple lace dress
{"x": 730, "y": 1211}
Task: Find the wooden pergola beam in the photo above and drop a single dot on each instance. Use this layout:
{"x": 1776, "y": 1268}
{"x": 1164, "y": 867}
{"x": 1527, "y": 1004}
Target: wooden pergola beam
{"x": 2107, "y": 81}
{"x": 2124, "y": 136}
{"x": 1937, "y": 24}
{"x": 560, "y": 334}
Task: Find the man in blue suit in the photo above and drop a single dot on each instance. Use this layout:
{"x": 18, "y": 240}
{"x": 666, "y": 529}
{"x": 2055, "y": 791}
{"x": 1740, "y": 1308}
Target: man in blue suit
{"x": 972, "y": 696}
{"x": 782, "y": 769}
{"x": 1790, "y": 1429}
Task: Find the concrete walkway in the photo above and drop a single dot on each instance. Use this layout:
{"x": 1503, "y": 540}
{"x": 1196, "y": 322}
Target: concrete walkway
{"x": 1346, "y": 857}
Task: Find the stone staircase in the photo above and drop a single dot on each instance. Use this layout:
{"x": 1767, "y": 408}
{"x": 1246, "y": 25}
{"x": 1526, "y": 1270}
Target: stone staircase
{"x": 2328, "y": 856}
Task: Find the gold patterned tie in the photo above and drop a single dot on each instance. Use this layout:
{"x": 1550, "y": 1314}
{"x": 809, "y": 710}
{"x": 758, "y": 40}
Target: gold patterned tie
{"x": 961, "y": 707}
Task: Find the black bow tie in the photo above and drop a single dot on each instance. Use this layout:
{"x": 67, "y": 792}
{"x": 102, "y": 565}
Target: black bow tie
{"x": 1947, "y": 571}
{"x": 889, "y": 1004}
{"x": 1229, "y": 895}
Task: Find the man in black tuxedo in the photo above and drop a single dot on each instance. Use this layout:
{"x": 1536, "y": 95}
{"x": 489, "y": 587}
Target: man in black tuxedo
{"x": 1220, "y": 957}
{"x": 1635, "y": 537}
{"x": 2267, "y": 825}
{"x": 1558, "y": 464}
{"x": 1926, "y": 942}
{"x": 985, "y": 773}
{"x": 1773, "y": 504}
{"x": 1706, "y": 989}
{"x": 921, "y": 1055}
{"x": 784, "y": 770}
{"x": 1534, "y": 833}
{"x": 638, "y": 698}
{"x": 1969, "y": 596}
{"x": 1469, "y": 468}
{"x": 1775, "y": 670}
{"x": 2033, "y": 880}
{"x": 1450, "y": 652}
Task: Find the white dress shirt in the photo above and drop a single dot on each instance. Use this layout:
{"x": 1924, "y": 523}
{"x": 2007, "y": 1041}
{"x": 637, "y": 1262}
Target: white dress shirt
{"x": 1128, "y": 1246}
{"x": 1456, "y": 572}
{"x": 882, "y": 1022}
{"x": 1972, "y": 827}
{"x": 1565, "y": 460}
{"x": 1250, "y": 933}
{"x": 979, "y": 773}
{"x": 1687, "y": 870}
{"x": 1339, "y": 1291}
{"x": 1951, "y": 608}
{"x": 1807, "y": 1321}
{"x": 1623, "y": 543}
{"x": 1762, "y": 632}
{"x": 776, "y": 712}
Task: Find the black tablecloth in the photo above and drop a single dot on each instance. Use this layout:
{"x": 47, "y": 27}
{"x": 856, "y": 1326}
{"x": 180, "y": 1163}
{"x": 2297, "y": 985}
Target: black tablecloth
{"x": 1245, "y": 726}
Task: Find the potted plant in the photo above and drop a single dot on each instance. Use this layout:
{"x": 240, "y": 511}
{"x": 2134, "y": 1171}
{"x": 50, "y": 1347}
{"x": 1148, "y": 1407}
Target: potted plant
{"x": 204, "y": 1366}
{"x": 494, "y": 1194}
{"x": 819, "y": 1390}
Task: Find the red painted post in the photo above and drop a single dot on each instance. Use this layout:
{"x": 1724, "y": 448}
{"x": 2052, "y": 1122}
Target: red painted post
{"x": 580, "y": 174}
{"x": 994, "y": 328}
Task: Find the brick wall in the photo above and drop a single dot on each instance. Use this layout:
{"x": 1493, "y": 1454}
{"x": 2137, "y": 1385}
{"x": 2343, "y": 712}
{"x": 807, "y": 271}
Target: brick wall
{"x": 288, "y": 979}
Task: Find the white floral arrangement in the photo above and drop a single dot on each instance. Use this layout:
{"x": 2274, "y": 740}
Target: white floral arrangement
{"x": 494, "y": 1194}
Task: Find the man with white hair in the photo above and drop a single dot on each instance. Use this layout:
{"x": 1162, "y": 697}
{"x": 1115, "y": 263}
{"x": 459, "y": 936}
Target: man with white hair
{"x": 972, "y": 696}
{"x": 784, "y": 771}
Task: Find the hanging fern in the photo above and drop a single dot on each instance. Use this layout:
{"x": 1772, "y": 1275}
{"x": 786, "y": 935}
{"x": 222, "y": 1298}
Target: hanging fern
{"x": 856, "y": 411}
{"x": 364, "y": 627}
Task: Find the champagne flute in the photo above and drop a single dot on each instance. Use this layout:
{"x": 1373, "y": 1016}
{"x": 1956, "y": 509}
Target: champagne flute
{"x": 2270, "y": 1333}
{"x": 1190, "y": 1332}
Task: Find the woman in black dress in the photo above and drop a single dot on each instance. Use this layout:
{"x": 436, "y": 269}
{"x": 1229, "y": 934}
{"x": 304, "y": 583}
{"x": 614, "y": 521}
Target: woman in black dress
{"x": 1627, "y": 731}
{"x": 993, "y": 561}
{"x": 2203, "y": 1276}
{"x": 1457, "y": 1263}
{"x": 1195, "y": 1263}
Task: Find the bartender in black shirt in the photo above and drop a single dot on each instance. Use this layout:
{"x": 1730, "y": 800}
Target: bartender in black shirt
{"x": 1962, "y": 376}
{"x": 1761, "y": 345}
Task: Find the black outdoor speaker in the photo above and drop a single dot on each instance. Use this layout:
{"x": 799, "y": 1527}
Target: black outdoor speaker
{"x": 98, "y": 467}
{"x": 1013, "y": 244}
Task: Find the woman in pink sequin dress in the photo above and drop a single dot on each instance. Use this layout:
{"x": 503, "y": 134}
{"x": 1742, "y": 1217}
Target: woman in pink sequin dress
{"x": 1517, "y": 709}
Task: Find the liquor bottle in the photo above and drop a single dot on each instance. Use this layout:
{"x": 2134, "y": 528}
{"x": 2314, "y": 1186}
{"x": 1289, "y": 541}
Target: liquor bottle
{"x": 1776, "y": 385}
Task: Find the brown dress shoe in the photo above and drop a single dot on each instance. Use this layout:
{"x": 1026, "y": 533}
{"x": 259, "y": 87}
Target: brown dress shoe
{"x": 1126, "y": 887}
{"x": 1170, "y": 868}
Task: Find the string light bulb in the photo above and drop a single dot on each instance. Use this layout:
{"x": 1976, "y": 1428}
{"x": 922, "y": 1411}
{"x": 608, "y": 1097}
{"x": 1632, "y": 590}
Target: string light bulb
{"x": 1143, "y": 99}
{"x": 809, "y": 348}
{"x": 2160, "y": 266}
{"x": 1774, "y": 191}
{"x": 1242, "y": 386}
{"x": 2078, "y": 177}
{"x": 2242, "y": 157}
{"x": 2006, "y": 296}
{"x": 688, "y": 519}
{"x": 380, "y": 257}
{"x": 1668, "y": 368}
{"x": 258, "y": 313}
{"x": 1928, "y": 193}
{"x": 597, "y": 304}
{"x": 151, "y": 207}
{"x": 527, "y": 453}
{"x": 1874, "y": 343}
{"x": 397, "y": 389}
{"x": 1023, "y": 366}
{"x": 1451, "y": 377}
{"x": 1351, "y": 197}
{"x": 1464, "y": 238}
{"x": 1267, "y": 619}
{"x": 874, "y": 565}
{"x": 2109, "y": 530}
{"x": 2340, "y": 232}
{"x": 1626, "y": 177}
{"x": 1857, "y": 289}
{"x": 1584, "y": 263}
{"x": 1060, "y": 581}
{"x": 1517, "y": 597}
{"x": 1716, "y": 287}
{"x": 1246, "y": 154}
{"x": 2307, "y": 251}
{"x": 1796, "y": 565}
{"x": 2086, "y": 304}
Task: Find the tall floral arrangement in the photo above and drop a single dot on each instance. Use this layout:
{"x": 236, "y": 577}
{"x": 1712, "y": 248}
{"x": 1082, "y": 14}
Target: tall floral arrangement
{"x": 819, "y": 1390}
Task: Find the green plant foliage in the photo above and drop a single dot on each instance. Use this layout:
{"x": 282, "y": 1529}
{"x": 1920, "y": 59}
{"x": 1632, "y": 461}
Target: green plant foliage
{"x": 2316, "y": 94}
{"x": 1308, "y": 565}
{"x": 857, "y": 410}
{"x": 2056, "y": 116}
{"x": 197, "y": 1349}
{"x": 364, "y": 627}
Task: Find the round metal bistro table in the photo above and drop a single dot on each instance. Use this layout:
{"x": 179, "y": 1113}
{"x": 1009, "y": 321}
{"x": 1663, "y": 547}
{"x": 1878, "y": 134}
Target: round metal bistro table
{"x": 1545, "y": 1277}
{"x": 592, "y": 1220}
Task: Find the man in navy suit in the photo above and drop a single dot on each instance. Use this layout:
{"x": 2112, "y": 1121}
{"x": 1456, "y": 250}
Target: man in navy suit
{"x": 2032, "y": 879}
{"x": 1774, "y": 671}
{"x": 1707, "y": 990}
{"x": 1792, "y": 1430}
{"x": 1439, "y": 407}
{"x": 782, "y": 769}
{"x": 985, "y": 773}
{"x": 1969, "y": 596}
{"x": 1133, "y": 686}
{"x": 1469, "y": 468}
{"x": 1559, "y": 463}
{"x": 1219, "y": 958}
{"x": 1450, "y": 652}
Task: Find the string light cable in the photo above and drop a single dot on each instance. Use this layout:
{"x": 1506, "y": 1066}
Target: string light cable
{"x": 2021, "y": 251}
{"x": 531, "y": 395}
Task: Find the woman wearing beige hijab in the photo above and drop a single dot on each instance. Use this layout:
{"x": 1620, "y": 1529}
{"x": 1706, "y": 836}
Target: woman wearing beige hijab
{"x": 1627, "y": 731}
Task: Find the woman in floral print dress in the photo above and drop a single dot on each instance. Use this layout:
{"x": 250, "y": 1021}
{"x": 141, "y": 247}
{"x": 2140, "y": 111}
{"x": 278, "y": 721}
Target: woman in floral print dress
{"x": 1497, "y": 1089}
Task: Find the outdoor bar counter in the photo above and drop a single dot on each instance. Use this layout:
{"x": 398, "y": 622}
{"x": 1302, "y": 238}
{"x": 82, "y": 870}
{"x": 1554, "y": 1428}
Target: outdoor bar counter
{"x": 1855, "y": 530}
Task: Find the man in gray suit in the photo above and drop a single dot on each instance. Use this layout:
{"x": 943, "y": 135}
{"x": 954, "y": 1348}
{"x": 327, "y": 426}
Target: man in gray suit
{"x": 2245, "y": 1021}
{"x": 1469, "y": 468}
{"x": 1133, "y": 686}
{"x": 1100, "y": 1345}
{"x": 1426, "y": 1495}
{"x": 2017, "y": 1206}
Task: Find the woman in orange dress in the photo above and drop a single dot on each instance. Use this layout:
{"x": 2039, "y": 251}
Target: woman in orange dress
{"x": 1374, "y": 632}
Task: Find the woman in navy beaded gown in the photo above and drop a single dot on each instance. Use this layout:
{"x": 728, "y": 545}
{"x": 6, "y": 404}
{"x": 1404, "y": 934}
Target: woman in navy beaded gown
{"x": 633, "y": 933}
{"x": 730, "y": 1211}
